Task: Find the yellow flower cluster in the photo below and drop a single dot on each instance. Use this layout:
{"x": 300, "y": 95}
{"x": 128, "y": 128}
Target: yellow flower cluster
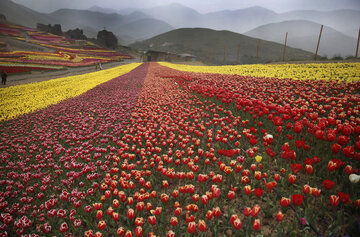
{"x": 22, "y": 99}
{"x": 347, "y": 72}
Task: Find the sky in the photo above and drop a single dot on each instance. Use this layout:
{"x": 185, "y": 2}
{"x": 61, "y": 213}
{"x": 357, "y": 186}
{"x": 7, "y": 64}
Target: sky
{"x": 202, "y": 6}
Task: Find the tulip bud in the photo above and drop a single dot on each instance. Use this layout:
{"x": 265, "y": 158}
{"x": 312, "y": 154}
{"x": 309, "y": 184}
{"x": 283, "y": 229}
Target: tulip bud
{"x": 279, "y": 216}
{"x": 334, "y": 200}
{"x": 152, "y": 220}
{"x": 202, "y": 225}
{"x": 354, "y": 178}
{"x": 192, "y": 227}
{"x": 237, "y": 224}
{"x": 256, "y": 225}
{"x": 101, "y": 225}
{"x": 284, "y": 202}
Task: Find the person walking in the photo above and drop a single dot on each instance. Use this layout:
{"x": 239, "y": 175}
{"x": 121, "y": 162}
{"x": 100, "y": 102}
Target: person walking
{"x": 3, "y": 77}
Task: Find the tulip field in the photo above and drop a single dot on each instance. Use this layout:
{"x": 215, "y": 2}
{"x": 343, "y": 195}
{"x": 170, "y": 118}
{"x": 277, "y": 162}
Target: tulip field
{"x": 62, "y": 53}
{"x": 160, "y": 149}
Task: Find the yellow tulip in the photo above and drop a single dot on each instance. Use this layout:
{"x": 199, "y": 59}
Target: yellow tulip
{"x": 258, "y": 158}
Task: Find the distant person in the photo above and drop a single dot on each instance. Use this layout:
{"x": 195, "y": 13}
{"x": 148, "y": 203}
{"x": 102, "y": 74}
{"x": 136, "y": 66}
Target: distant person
{"x": 100, "y": 66}
{"x": 96, "y": 67}
{"x": 3, "y": 77}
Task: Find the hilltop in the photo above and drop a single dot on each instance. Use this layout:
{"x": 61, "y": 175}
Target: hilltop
{"x": 208, "y": 46}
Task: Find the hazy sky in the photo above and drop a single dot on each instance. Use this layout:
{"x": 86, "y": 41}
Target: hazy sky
{"x": 202, "y": 6}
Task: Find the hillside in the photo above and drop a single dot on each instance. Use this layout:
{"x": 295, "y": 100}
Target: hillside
{"x": 304, "y": 35}
{"x": 129, "y": 27}
{"x": 240, "y": 20}
{"x": 208, "y": 45}
{"x": 139, "y": 29}
{"x": 346, "y": 21}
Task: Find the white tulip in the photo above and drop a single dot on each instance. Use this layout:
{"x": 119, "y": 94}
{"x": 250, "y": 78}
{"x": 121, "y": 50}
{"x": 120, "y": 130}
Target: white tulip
{"x": 354, "y": 178}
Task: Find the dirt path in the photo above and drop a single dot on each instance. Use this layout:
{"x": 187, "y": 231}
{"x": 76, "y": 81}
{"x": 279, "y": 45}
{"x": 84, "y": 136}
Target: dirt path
{"x": 14, "y": 80}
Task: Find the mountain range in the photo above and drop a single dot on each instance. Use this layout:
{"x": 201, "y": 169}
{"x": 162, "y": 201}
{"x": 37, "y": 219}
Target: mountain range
{"x": 130, "y": 25}
{"x": 210, "y": 46}
{"x": 304, "y": 35}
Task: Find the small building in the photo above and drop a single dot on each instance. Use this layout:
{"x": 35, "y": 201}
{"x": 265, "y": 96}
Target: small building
{"x": 187, "y": 57}
{"x": 154, "y": 56}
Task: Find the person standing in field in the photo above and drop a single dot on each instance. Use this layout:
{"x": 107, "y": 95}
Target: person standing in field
{"x": 3, "y": 77}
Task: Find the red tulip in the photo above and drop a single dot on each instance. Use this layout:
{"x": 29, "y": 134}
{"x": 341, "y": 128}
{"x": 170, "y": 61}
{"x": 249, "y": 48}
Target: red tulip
{"x": 247, "y": 211}
{"x": 296, "y": 168}
{"x": 101, "y": 225}
{"x": 328, "y": 184}
{"x": 279, "y": 216}
{"x": 97, "y": 206}
{"x": 173, "y": 221}
{"x": 152, "y": 220}
{"x": 209, "y": 214}
{"x": 138, "y": 231}
{"x": 140, "y": 206}
{"x": 139, "y": 221}
{"x": 217, "y": 211}
{"x": 178, "y": 211}
{"x": 315, "y": 192}
{"x": 99, "y": 214}
{"x": 231, "y": 195}
{"x": 284, "y": 202}
{"x": 88, "y": 233}
{"x": 255, "y": 211}
{"x": 297, "y": 199}
{"x": 258, "y": 175}
{"x": 204, "y": 199}
{"x": 170, "y": 233}
{"x": 202, "y": 225}
{"x": 292, "y": 178}
{"x": 237, "y": 224}
{"x": 232, "y": 218}
{"x": 247, "y": 189}
{"x": 130, "y": 213}
{"x": 115, "y": 216}
{"x": 63, "y": 227}
{"x": 120, "y": 231}
{"x": 334, "y": 200}
{"x": 98, "y": 234}
{"x": 277, "y": 177}
{"x": 191, "y": 227}
{"x": 308, "y": 169}
{"x": 306, "y": 189}
{"x": 256, "y": 224}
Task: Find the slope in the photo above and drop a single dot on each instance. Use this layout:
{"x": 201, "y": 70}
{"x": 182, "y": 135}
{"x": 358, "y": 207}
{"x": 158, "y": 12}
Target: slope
{"x": 208, "y": 45}
{"x": 304, "y": 35}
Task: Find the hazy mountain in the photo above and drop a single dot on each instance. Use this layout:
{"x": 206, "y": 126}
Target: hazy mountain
{"x": 240, "y": 20}
{"x": 176, "y": 15}
{"x": 22, "y": 15}
{"x": 179, "y": 16}
{"x": 345, "y": 21}
{"x": 208, "y": 45}
{"x": 102, "y": 9}
{"x": 129, "y": 28}
{"x": 304, "y": 35}
{"x": 139, "y": 30}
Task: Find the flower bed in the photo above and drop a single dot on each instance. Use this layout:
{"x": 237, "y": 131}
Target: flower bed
{"x": 163, "y": 152}
{"x": 22, "y": 99}
{"x": 347, "y": 72}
